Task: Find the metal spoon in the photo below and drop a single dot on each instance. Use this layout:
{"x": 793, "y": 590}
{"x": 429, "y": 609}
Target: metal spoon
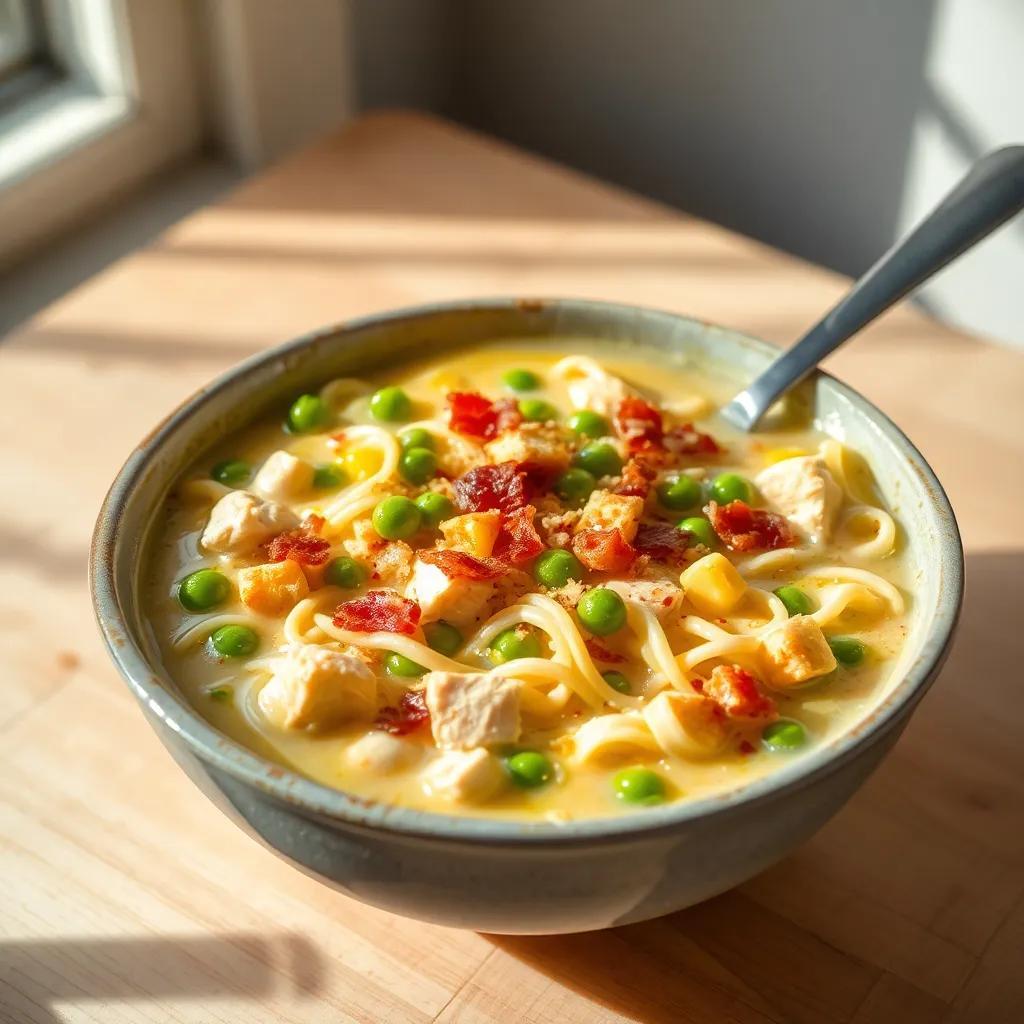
{"x": 991, "y": 193}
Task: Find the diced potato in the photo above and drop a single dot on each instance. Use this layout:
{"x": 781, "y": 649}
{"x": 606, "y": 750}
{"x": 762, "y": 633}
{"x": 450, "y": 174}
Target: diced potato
{"x": 713, "y": 585}
{"x": 796, "y": 652}
{"x": 472, "y": 709}
{"x": 474, "y": 533}
{"x": 532, "y": 444}
{"x": 774, "y": 455}
{"x": 607, "y": 511}
{"x": 362, "y": 462}
{"x": 464, "y": 776}
{"x": 274, "y": 588}
{"x": 283, "y": 477}
{"x": 241, "y": 521}
{"x": 458, "y": 601}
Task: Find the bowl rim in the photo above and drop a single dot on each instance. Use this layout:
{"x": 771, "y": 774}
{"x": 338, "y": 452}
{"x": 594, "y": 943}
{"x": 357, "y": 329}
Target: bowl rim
{"x": 152, "y": 687}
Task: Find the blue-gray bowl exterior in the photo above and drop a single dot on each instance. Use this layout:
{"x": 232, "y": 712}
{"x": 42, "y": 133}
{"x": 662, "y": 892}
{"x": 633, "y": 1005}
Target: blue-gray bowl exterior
{"x": 501, "y": 875}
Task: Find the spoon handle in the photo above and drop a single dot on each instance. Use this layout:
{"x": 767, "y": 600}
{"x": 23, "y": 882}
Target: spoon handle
{"x": 990, "y": 193}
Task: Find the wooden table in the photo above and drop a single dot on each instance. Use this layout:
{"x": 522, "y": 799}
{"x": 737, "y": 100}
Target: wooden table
{"x": 126, "y": 897}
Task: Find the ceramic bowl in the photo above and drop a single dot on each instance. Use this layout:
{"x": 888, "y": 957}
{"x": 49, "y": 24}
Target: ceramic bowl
{"x": 505, "y": 876}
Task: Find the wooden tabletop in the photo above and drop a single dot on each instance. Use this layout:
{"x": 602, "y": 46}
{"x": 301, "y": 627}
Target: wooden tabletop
{"x": 126, "y": 897}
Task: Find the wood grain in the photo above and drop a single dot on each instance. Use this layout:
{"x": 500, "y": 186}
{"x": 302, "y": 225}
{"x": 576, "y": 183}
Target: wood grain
{"x": 127, "y": 897}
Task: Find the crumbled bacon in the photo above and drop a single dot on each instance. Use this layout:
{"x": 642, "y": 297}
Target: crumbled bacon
{"x": 460, "y": 565}
{"x": 639, "y": 424}
{"x": 686, "y": 440}
{"x": 637, "y": 476}
{"x": 749, "y": 529}
{"x": 410, "y": 714}
{"x": 473, "y": 415}
{"x": 314, "y": 523}
{"x": 518, "y": 539}
{"x": 378, "y": 611}
{"x": 599, "y": 652}
{"x": 661, "y": 542}
{"x": 488, "y": 487}
{"x": 604, "y": 550}
{"x": 301, "y": 545}
{"x": 736, "y": 692}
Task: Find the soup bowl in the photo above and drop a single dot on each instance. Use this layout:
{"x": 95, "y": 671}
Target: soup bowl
{"x": 502, "y": 875}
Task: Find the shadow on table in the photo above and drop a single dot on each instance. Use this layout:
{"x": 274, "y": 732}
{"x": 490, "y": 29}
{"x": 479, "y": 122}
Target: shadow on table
{"x": 929, "y": 811}
{"x": 37, "y": 976}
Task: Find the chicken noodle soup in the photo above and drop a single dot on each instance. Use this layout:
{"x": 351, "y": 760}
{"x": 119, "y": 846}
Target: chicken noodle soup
{"x": 523, "y": 582}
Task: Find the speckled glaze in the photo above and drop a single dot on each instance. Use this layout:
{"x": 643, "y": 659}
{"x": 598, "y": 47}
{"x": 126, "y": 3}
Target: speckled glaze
{"x": 505, "y": 876}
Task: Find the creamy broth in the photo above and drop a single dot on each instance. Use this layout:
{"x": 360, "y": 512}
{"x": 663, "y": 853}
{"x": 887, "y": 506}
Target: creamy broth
{"x": 715, "y": 666}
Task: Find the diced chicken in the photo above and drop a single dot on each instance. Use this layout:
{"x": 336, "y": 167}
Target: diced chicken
{"x": 317, "y": 688}
{"x": 474, "y": 532}
{"x": 381, "y": 753}
{"x": 713, "y": 585}
{"x": 389, "y": 562}
{"x": 472, "y": 709}
{"x": 590, "y": 386}
{"x": 796, "y": 652}
{"x": 240, "y": 522}
{"x": 659, "y": 596}
{"x": 458, "y": 456}
{"x": 802, "y": 490}
{"x": 274, "y": 588}
{"x": 535, "y": 445}
{"x": 607, "y": 511}
{"x": 464, "y": 777}
{"x": 458, "y": 601}
{"x": 283, "y": 477}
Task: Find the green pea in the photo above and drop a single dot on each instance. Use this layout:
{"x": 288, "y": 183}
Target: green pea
{"x": 203, "y": 589}
{"x": 435, "y": 508}
{"x": 784, "y": 735}
{"x": 599, "y": 459}
{"x": 617, "y": 681}
{"x": 796, "y": 601}
{"x": 537, "y": 410}
{"x": 400, "y": 665}
{"x": 520, "y": 380}
{"x": 417, "y": 465}
{"x": 700, "y": 530}
{"x": 601, "y": 611}
{"x": 587, "y": 423}
{"x": 639, "y": 786}
{"x": 232, "y": 472}
{"x": 417, "y": 437}
{"x": 390, "y": 405}
{"x": 574, "y": 486}
{"x": 234, "y": 641}
{"x": 330, "y": 474}
{"x": 728, "y": 487}
{"x": 442, "y": 637}
{"x": 849, "y": 651}
{"x": 308, "y": 412}
{"x": 396, "y": 518}
{"x": 679, "y": 492}
{"x": 556, "y": 568}
{"x": 514, "y": 643}
{"x": 345, "y": 572}
{"x": 529, "y": 769}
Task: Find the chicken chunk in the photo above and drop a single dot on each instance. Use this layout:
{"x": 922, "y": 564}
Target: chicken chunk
{"x": 659, "y": 596}
{"x": 796, "y": 652}
{"x": 458, "y": 601}
{"x": 472, "y": 709}
{"x": 283, "y": 477}
{"x": 465, "y": 777}
{"x": 458, "y": 456}
{"x": 274, "y": 588}
{"x": 802, "y": 490}
{"x": 474, "y": 532}
{"x": 607, "y": 511}
{"x": 534, "y": 445}
{"x": 317, "y": 688}
{"x": 240, "y": 522}
{"x": 382, "y": 753}
{"x": 590, "y": 386}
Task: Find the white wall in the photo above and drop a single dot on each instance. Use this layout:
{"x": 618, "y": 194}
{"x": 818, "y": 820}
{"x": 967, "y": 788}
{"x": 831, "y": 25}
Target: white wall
{"x": 821, "y": 126}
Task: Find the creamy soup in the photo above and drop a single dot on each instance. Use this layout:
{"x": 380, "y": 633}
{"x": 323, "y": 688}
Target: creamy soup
{"x": 516, "y": 581}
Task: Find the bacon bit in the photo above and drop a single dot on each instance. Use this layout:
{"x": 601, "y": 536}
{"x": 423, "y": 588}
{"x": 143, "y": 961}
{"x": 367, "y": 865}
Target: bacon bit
{"x": 637, "y": 476}
{"x": 749, "y": 529}
{"x": 460, "y": 565}
{"x": 488, "y": 487}
{"x": 599, "y": 652}
{"x": 336, "y": 440}
{"x": 736, "y": 692}
{"x": 746, "y": 747}
{"x": 410, "y": 714}
{"x": 639, "y": 424}
{"x": 473, "y": 415}
{"x": 604, "y": 550}
{"x": 662, "y": 542}
{"x": 378, "y": 611}
{"x": 518, "y": 539}
{"x": 301, "y": 545}
{"x": 314, "y": 523}
{"x": 686, "y": 440}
